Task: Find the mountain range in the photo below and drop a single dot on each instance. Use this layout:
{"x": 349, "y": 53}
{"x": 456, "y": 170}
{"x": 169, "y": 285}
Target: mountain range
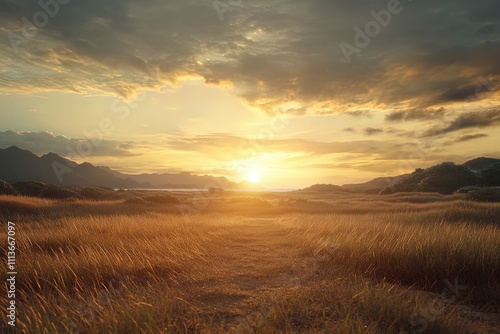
{"x": 21, "y": 165}
{"x": 445, "y": 178}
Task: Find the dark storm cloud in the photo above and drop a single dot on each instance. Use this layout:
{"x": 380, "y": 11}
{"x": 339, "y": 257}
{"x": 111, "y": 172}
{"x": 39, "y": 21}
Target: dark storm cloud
{"x": 457, "y": 94}
{"x": 273, "y": 52}
{"x": 482, "y": 119}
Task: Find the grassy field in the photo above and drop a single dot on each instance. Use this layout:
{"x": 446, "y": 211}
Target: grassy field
{"x": 265, "y": 263}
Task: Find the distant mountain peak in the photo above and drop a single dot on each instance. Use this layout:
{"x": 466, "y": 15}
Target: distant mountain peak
{"x": 14, "y": 148}
{"x": 54, "y": 157}
{"x": 51, "y": 154}
{"x": 13, "y": 151}
{"x": 24, "y": 165}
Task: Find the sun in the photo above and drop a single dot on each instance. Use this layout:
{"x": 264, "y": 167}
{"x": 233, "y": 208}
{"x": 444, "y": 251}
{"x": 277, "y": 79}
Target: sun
{"x": 253, "y": 177}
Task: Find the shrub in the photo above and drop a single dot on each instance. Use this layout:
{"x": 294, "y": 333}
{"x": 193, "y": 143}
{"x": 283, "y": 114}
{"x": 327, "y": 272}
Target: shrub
{"x": 6, "y": 189}
{"x": 491, "y": 175}
{"x": 468, "y": 189}
{"x": 97, "y": 193}
{"x": 29, "y": 188}
{"x": 215, "y": 191}
{"x": 444, "y": 178}
{"x": 490, "y": 194}
{"x": 162, "y": 199}
{"x": 251, "y": 201}
{"x": 136, "y": 200}
{"x": 56, "y": 192}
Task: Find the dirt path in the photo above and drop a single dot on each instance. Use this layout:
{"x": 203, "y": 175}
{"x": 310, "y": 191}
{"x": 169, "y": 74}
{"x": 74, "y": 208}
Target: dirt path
{"x": 253, "y": 267}
{"x": 255, "y": 270}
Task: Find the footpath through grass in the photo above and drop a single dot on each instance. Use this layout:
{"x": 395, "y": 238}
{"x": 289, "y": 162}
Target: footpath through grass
{"x": 154, "y": 272}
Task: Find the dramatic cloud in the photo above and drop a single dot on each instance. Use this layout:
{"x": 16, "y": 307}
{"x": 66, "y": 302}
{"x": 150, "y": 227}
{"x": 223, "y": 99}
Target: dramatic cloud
{"x": 229, "y": 155}
{"x": 415, "y": 114}
{"x": 279, "y": 56}
{"x": 471, "y": 137}
{"x": 78, "y": 148}
{"x": 469, "y": 120}
{"x": 215, "y": 76}
{"x": 217, "y": 146}
{"x": 220, "y": 145}
{"x": 359, "y": 113}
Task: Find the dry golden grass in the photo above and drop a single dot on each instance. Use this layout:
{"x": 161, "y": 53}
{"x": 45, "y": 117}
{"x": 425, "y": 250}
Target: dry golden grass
{"x": 241, "y": 266}
{"x": 420, "y": 249}
{"x": 74, "y": 271}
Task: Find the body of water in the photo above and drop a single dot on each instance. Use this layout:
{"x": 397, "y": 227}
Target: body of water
{"x": 275, "y": 190}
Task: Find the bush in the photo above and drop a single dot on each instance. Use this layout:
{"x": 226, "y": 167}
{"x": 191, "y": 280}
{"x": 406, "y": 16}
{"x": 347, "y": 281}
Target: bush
{"x": 251, "y": 201}
{"x": 6, "y": 189}
{"x": 29, "y": 188}
{"x": 444, "y": 178}
{"x": 136, "y": 200}
{"x": 50, "y": 191}
{"x": 55, "y": 192}
{"x": 468, "y": 189}
{"x": 214, "y": 191}
{"x": 387, "y": 190}
{"x": 97, "y": 193}
{"x": 491, "y": 175}
{"x": 490, "y": 194}
{"x": 162, "y": 199}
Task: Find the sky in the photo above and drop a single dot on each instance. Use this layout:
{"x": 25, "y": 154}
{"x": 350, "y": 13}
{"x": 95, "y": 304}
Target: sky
{"x": 296, "y": 92}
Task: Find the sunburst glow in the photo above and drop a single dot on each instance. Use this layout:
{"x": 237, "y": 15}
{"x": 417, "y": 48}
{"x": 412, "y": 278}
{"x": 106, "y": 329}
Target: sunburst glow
{"x": 254, "y": 177}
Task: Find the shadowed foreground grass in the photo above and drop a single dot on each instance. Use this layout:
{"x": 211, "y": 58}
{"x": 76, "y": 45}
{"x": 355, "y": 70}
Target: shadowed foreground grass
{"x": 88, "y": 267}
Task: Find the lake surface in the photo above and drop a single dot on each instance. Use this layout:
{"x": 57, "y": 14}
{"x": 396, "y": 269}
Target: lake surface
{"x": 280, "y": 190}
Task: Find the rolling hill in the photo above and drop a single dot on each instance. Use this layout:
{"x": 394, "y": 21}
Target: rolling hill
{"x": 445, "y": 178}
